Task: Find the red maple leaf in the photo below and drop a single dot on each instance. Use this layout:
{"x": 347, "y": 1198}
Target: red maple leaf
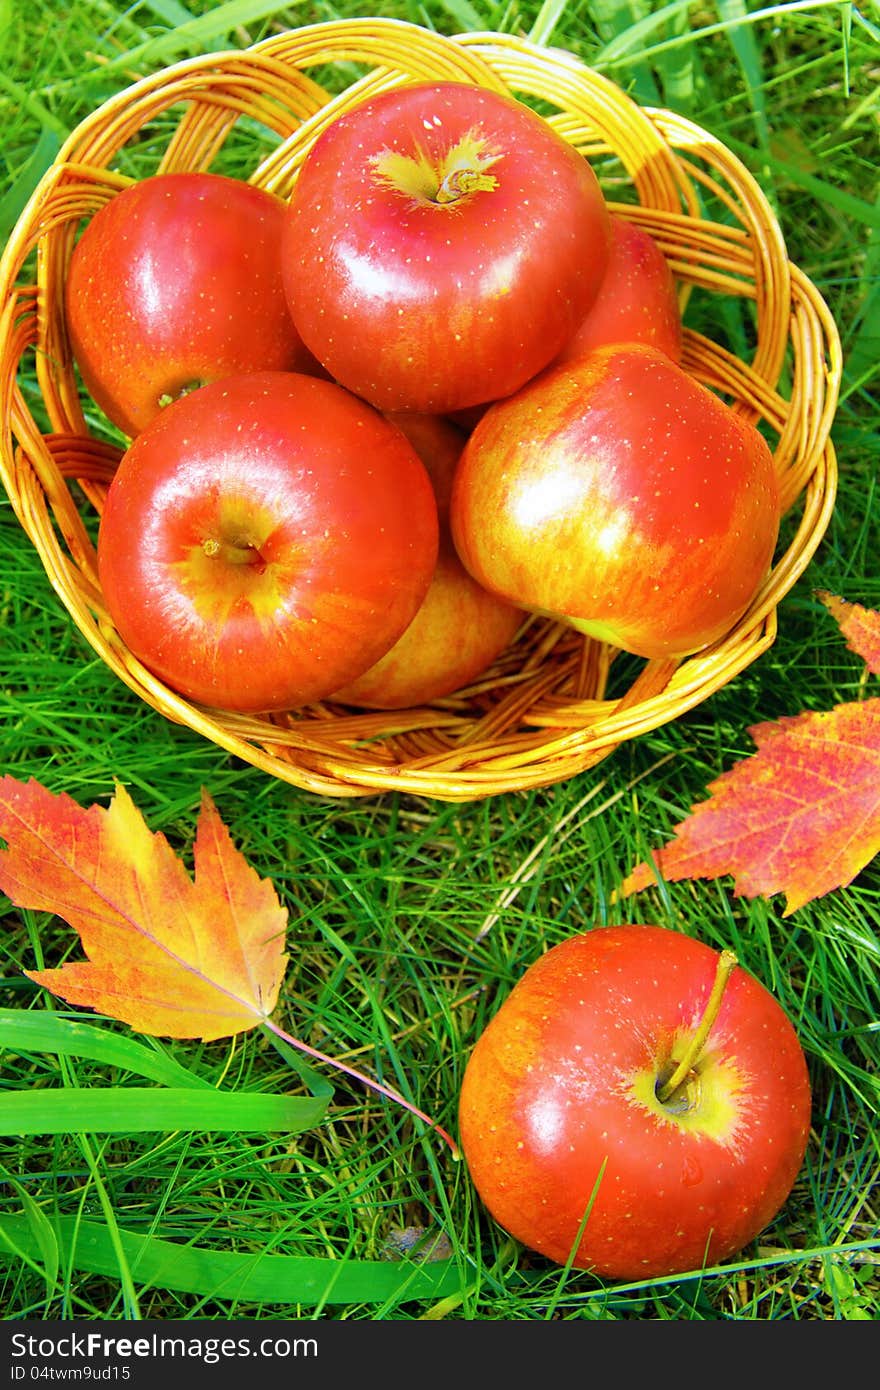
{"x": 860, "y": 626}
{"x": 801, "y": 816}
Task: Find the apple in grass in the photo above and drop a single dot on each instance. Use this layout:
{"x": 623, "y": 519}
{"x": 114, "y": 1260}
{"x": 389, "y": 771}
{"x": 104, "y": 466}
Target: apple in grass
{"x": 459, "y": 628}
{"x": 442, "y": 244}
{"x": 175, "y": 282}
{"x": 265, "y": 539}
{"x": 638, "y": 1104}
{"x": 619, "y": 494}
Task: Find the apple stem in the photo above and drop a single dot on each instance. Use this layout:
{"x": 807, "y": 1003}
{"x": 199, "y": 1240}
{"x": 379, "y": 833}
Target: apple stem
{"x": 727, "y": 963}
{"x": 232, "y": 552}
{"x": 443, "y": 180}
{"x": 459, "y": 182}
{"x": 168, "y": 398}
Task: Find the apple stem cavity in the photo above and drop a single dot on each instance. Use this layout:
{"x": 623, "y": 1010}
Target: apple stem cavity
{"x": 461, "y": 181}
{"x": 684, "y": 1078}
{"x": 169, "y": 397}
{"x": 443, "y": 181}
{"x": 233, "y": 552}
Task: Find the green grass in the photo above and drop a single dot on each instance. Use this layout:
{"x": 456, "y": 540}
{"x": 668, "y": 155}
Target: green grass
{"x": 410, "y": 920}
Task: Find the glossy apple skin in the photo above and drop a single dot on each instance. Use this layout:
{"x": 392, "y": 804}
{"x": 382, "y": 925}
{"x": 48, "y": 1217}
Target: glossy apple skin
{"x": 558, "y": 1102}
{"x": 636, "y": 301}
{"x": 619, "y": 493}
{"x": 460, "y": 628}
{"x": 426, "y": 306}
{"x": 265, "y": 539}
{"x": 176, "y": 282}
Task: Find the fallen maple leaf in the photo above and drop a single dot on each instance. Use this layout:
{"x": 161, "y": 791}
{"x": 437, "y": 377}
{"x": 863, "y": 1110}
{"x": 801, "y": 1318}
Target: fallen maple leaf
{"x": 801, "y": 816}
{"x": 860, "y": 626}
{"x": 169, "y": 954}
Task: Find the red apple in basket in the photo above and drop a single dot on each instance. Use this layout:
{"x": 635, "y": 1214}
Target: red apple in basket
{"x": 620, "y": 494}
{"x": 636, "y": 301}
{"x": 176, "y": 282}
{"x": 443, "y": 242}
{"x": 460, "y": 628}
{"x": 572, "y": 1139}
{"x": 265, "y": 540}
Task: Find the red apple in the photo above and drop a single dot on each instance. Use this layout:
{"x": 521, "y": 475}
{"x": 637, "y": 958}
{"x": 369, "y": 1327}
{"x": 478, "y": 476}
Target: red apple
{"x": 570, "y": 1139}
{"x": 636, "y": 301}
{"x": 460, "y": 628}
{"x": 265, "y": 539}
{"x": 438, "y": 443}
{"x": 620, "y": 494}
{"x": 442, "y": 244}
{"x": 176, "y": 282}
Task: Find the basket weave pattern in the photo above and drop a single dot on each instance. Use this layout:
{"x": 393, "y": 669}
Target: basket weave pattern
{"x": 542, "y": 713}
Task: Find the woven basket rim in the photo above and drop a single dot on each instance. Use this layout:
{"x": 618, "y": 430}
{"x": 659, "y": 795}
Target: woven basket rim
{"x": 550, "y": 709}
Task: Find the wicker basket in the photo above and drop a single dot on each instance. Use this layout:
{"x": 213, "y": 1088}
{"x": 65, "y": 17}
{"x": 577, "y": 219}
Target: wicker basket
{"x": 555, "y": 703}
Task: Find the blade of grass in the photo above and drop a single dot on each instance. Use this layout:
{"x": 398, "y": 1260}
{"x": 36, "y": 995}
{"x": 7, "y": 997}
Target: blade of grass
{"x": 464, "y": 14}
{"x": 745, "y": 46}
{"x": 169, "y": 11}
{"x": 29, "y": 103}
{"x": 16, "y": 196}
{"x": 846, "y": 203}
{"x": 129, "y": 1110}
{"x": 635, "y": 39}
{"x": 678, "y": 68}
{"x": 196, "y": 35}
{"x": 853, "y": 12}
{"x": 43, "y": 1242}
{"x": 36, "y": 1032}
{"x": 615, "y": 20}
{"x": 257, "y": 1277}
{"x": 547, "y": 19}
{"x": 317, "y": 1084}
{"x": 862, "y": 341}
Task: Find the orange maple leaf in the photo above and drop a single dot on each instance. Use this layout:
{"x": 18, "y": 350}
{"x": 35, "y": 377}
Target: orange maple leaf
{"x": 171, "y": 955}
{"x": 860, "y": 626}
{"x": 801, "y": 816}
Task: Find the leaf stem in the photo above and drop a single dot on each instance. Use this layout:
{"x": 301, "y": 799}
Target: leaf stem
{"x": 374, "y": 1085}
{"x": 727, "y": 963}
